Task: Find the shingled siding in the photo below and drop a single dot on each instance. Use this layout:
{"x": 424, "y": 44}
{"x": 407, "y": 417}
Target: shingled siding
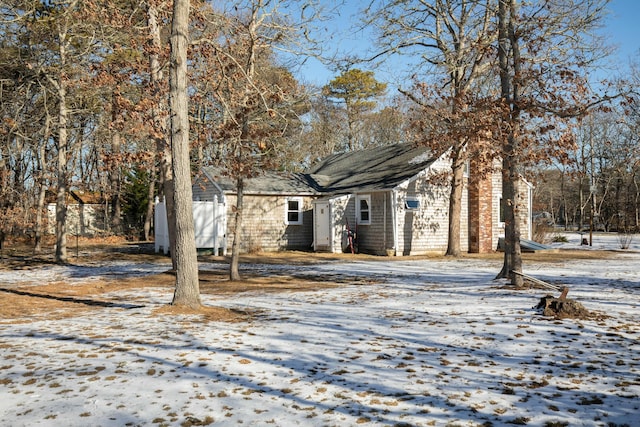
{"x": 264, "y": 227}
{"x": 422, "y": 231}
{"x": 82, "y": 219}
{"x": 377, "y": 237}
{"x": 426, "y": 230}
{"x": 523, "y": 210}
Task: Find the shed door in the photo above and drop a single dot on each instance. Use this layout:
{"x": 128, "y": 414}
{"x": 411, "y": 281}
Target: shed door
{"x": 322, "y": 225}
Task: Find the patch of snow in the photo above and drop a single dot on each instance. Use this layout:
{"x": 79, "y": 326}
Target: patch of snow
{"x": 421, "y": 158}
{"x": 429, "y": 342}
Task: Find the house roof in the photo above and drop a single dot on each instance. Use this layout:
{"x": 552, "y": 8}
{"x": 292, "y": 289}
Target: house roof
{"x": 378, "y": 168}
{"x": 374, "y": 169}
{"x": 267, "y": 183}
{"x": 76, "y": 196}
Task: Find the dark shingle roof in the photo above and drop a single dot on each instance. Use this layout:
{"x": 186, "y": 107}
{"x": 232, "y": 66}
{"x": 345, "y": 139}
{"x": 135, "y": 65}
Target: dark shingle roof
{"x": 379, "y": 168}
{"x": 267, "y": 183}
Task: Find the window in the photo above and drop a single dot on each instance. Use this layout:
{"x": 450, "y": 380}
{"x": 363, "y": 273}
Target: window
{"x": 503, "y": 213}
{"x": 293, "y": 213}
{"x": 363, "y": 209}
{"x": 412, "y": 204}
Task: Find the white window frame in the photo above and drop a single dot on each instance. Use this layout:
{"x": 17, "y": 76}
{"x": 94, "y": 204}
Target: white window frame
{"x": 409, "y": 199}
{"x": 287, "y": 211}
{"x": 359, "y": 211}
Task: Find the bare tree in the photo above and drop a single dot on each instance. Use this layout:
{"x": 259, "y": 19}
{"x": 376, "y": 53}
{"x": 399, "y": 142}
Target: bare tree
{"x": 59, "y": 82}
{"x": 323, "y": 135}
{"x": 510, "y": 66}
{"x": 257, "y": 101}
{"x": 138, "y": 94}
{"x": 386, "y": 126}
{"x": 543, "y": 51}
{"x": 59, "y": 41}
{"x": 73, "y": 42}
{"x": 452, "y": 37}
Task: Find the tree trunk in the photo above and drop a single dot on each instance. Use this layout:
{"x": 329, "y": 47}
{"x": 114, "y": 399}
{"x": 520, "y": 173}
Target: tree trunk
{"x": 61, "y": 195}
{"x": 350, "y": 125}
{"x": 511, "y": 205}
{"x": 148, "y": 217}
{"x": 42, "y": 183}
{"x": 114, "y": 173}
{"x": 158, "y": 113}
{"x": 636, "y": 204}
{"x": 508, "y": 52}
{"x": 187, "y": 292}
{"x": 37, "y": 248}
{"x": 455, "y": 203}
{"x": 234, "y": 272}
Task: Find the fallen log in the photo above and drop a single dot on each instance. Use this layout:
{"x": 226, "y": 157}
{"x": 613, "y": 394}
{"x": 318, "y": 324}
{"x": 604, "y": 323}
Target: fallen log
{"x": 564, "y": 290}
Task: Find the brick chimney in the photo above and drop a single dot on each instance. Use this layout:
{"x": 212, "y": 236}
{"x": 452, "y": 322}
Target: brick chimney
{"x": 480, "y": 211}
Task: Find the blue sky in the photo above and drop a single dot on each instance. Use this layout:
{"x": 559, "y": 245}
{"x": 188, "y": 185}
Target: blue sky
{"x": 622, "y": 30}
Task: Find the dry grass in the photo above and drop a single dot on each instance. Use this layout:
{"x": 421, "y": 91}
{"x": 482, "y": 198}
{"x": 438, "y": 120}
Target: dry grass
{"x": 57, "y": 300}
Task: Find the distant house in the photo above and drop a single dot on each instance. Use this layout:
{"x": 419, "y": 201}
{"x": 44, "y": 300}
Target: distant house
{"x": 392, "y": 198}
{"x": 87, "y": 214}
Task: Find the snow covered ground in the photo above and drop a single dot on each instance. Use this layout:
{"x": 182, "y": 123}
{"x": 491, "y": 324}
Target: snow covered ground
{"x": 430, "y": 342}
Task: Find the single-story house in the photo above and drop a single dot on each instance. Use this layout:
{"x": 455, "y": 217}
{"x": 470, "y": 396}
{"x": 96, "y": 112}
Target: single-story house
{"x": 277, "y": 208}
{"x": 392, "y": 198}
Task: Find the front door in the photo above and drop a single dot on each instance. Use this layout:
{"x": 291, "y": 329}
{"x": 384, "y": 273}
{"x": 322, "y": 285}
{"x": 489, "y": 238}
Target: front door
{"x": 321, "y": 226}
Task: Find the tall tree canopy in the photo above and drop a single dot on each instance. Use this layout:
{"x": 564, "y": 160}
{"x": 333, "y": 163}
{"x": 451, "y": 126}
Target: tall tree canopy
{"x": 358, "y": 90}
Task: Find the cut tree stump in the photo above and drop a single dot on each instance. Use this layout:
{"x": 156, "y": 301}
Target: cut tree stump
{"x": 562, "y": 308}
{"x": 558, "y": 308}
